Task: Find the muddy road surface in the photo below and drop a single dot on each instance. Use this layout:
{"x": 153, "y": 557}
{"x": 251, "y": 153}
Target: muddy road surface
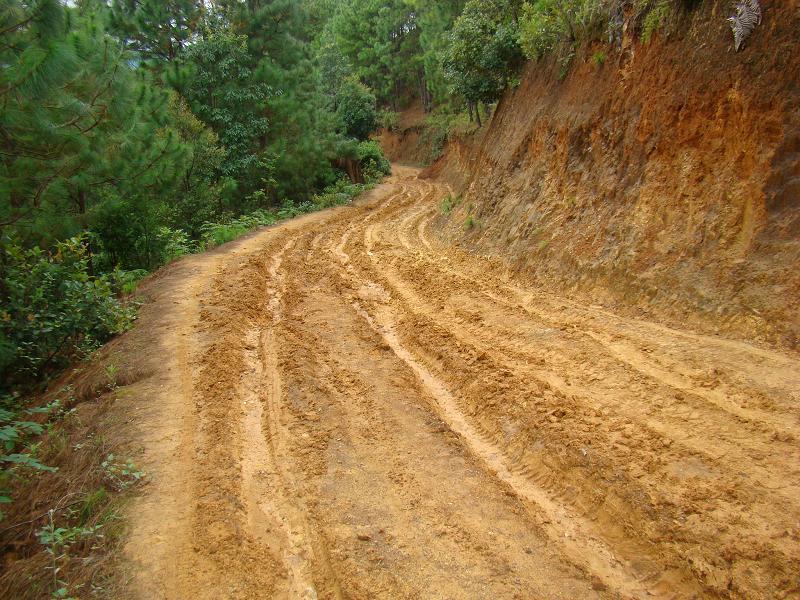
{"x": 351, "y": 408}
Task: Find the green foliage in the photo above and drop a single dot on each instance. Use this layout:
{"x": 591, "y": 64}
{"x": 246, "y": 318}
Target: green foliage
{"x": 439, "y": 126}
{"x": 17, "y": 451}
{"x": 374, "y": 164}
{"x": 215, "y": 76}
{"x": 125, "y": 282}
{"x": 79, "y": 123}
{"x": 57, "y": 542}
{"x": 655, "y": 15}
{"x": 356, "y": 109}
{"x": 53, "y": 309}
{"x": 435, "y": 21}
{"x": 546, "y": 24}
{"x": 338, "y": 194}
{"x": 483, "y": 56}
{"x": 380, "y": 40}
{"x": 121, "y": 474}
{"x": 156, "y": 30}
{"x": 448, "y": 203}
{"x": 201, "y": 193}
{"x": 599, "y": 58}
{"x": 216, "y": 233}
{"x": 389, "y": 120}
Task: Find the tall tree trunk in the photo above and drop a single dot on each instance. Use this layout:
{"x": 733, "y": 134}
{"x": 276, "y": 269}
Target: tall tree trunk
{"x": 87, "y": 242}
{"x": 478, "y": 114}
{"x": 424, "y": 92}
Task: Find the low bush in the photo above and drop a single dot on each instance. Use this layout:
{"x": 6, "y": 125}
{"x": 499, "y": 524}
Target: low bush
{"x": 17, "y": 452}
{"x": 340, "y": 193}
{"x": 389, "y": 120}
{"x": 448, "y": 203}
{"x": 439, "y": 126}
{"x": 218, "y": 233}
{"x": 52, "y": 309}
{"x": 653, "y": 14}
{"x": 374, "y": 164}
{"x": 356, "y": 109}
{"x": 547, "y": 24}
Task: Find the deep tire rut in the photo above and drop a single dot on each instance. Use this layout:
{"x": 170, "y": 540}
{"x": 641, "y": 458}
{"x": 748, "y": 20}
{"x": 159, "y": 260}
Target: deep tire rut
{"x": 364, "y": 410}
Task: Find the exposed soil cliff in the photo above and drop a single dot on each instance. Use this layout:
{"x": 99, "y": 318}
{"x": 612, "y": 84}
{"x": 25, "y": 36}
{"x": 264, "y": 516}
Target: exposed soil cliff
{"x": 666, "y": 178}
{"x": 408, "y": 143}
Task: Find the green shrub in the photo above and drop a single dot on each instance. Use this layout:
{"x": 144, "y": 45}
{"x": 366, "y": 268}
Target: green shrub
{"x": 389, "y": 120}
{"x": 17, "y": 451}
{"x": 599, "y": 58}
{"x": 483, "y": 55}
{"x": 374, "y": 164}
{"x": 356, "y": 109}
{"x": 125, "y": 282}
{"x": 546, "y": 24}
{"x": 448, "y": 203}
{"x": 439, "y": 126}
{"x": 338, "y": 194}
{"x": 539, "y": 29}
{"x": 655, "y": 14}
{"x": 174, "y": 243}
{"x": 53, "y": 310}
{"x": 218, "y": 233}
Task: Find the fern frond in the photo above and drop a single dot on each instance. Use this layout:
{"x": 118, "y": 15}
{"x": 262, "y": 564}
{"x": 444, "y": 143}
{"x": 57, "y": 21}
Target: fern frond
{"x": 746, "y": 19}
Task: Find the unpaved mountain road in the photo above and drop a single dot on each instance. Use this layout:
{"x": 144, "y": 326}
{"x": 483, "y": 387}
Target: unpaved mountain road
{"x": 350, "y": 408}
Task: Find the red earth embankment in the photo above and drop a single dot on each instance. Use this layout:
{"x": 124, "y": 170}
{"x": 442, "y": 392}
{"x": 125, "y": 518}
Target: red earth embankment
{"x": 664, "y": 179}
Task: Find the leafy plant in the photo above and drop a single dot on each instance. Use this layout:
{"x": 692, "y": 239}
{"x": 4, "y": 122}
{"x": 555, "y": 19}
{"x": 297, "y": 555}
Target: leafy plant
{"x": 121, "y": 474}
{"x": 599, "y": 58}
{"x": 439, "y": 126}
{"x": 338, "y": 194}
{"x": 374, "y": 164}
{"x": 125, "y": 282}
{"x": 16, "y": 449}
{"x": 53, "y": 310}
{"x": 112, "y": 371}
{"x": 483, "y": 56}
{"x": 389, "y": 120}
{"x": 356, "y": 109}
{"x": 448, "y": 203}
{"x": 57, "y": 542}
{"x": 546, "y": 24}
{"x": 656, "y": 13}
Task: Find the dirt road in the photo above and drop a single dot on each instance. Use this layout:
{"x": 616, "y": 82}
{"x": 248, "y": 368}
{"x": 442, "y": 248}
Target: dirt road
{"x": 351, "y": 408}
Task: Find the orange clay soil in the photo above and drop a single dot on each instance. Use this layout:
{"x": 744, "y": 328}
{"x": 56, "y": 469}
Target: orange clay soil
{"x": 343, "y": 406}
{"x": 663, "y": 180}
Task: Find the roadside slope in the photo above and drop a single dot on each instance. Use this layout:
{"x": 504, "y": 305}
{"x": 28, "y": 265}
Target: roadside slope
{"x": 661, "y": 178}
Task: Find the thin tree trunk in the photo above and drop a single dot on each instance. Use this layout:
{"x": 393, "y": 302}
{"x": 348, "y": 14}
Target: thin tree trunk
{"x": 87, "y": 243}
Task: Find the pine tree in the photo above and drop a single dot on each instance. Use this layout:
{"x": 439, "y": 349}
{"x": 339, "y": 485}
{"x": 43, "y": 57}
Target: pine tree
{"x": 77, "y": 124}
{"x": 216, "y": 78}
{"x": 156, "y": 30}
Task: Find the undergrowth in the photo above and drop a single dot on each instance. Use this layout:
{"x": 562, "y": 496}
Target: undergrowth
{"x": 63, "y": 499}
{"x": 338, "y": 194}
{"x": 440, "y": 125}
{"x": 448, "y": 203}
